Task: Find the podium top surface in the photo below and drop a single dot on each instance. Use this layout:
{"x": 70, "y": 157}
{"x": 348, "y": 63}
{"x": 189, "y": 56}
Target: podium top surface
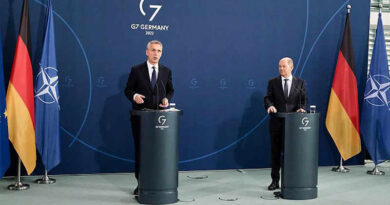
{"x": 287, "y": 114}
{"x": 170, "y": 110}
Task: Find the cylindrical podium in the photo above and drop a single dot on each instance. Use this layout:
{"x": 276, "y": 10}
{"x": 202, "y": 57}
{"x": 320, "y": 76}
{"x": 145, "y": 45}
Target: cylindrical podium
{"x": 158, "y": 165}
{"x": 300, "y": 155}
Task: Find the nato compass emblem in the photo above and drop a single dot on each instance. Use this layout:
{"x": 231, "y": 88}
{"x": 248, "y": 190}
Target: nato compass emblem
{"x": 377, "y": 91}
{"x": 47, "y": 85}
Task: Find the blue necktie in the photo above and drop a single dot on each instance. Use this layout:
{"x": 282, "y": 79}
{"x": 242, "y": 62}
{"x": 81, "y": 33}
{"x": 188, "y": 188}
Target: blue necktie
{"x": 154, "y": 79}
{"x": 285, "y": 89}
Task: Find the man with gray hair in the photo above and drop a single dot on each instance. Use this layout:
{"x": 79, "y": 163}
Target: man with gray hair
{"x": 149, "y": 86}
{"x": 285, "y": 93}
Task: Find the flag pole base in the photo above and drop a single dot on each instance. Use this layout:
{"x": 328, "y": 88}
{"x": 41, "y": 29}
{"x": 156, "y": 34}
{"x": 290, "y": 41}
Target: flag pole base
{"x": 376, "y": 171}
{"x": 18, "y": 186}
{"x": 340, "y": 169}
{"x": 45, "y": 180}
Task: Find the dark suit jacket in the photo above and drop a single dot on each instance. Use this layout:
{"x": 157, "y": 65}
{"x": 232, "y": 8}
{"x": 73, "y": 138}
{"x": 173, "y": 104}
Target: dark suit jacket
{"x": 139, "y": 82}
{"x": 275, "y": 97}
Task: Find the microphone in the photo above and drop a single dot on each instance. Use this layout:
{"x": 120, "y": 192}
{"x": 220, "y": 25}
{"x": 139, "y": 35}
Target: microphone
{"x": 163, "y": 86}
{"x": 157, "y": 96}
{"x": 165, "y": 92}
{"x": 300, "y": 91}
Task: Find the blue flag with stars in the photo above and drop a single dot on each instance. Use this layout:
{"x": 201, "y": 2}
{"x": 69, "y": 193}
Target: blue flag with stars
{"x": 4, "y": 142}
{"x": 47, "y": 118}
{"x": 375, "y": 120}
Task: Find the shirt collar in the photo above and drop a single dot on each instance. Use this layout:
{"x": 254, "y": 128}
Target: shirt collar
{"x": 150, "y": 65}
{"x": 289, "y": 78}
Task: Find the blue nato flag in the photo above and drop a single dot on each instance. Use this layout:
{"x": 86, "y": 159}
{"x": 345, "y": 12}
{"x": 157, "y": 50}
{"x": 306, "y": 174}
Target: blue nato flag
{"x": 47, "y": 107}
{"x": 375, "y": 120}
{"x": 4, "y": 142}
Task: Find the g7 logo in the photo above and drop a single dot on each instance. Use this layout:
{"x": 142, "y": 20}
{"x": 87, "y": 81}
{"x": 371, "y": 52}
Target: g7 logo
{"x": 162, "y": 119}
{"x": 157, "y": 7}
{"x": 305, "y": 121}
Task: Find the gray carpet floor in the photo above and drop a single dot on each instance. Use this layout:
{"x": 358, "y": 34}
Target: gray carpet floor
{"x": 242, "y": 186}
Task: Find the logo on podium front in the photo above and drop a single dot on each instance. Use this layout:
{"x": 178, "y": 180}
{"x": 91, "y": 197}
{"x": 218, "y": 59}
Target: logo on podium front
{"x": 161, "y": 120}
{"x": 305, "y": 124}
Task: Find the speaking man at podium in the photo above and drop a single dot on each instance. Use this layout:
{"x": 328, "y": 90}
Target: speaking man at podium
{"x": 149, "y": 86}
{"x": 285, "y": 93}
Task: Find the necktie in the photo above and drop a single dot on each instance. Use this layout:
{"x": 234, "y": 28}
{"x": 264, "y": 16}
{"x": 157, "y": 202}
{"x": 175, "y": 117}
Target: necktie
{"x": 154, "y": 79}
{"x": 285, "y": 88}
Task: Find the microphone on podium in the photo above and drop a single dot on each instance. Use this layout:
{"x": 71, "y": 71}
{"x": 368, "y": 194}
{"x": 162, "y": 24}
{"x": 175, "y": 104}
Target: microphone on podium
{"x": 300, "y": 91}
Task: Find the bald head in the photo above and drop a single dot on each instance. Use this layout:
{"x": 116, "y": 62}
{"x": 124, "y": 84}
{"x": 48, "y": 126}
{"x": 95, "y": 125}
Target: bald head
{"x": 286, "y": 65}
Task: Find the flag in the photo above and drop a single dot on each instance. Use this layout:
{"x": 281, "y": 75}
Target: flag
{"x": 47, "y": 119}
{"x": 342, "y": 118}
{"x": 20, "y": 97}
{"x": 375, "y": 119}
{"x": 4, "y": 142}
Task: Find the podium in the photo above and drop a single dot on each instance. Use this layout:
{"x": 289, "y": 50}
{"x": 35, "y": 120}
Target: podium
{"x": 158, "y": 165}
{"x": 300, "y": 155}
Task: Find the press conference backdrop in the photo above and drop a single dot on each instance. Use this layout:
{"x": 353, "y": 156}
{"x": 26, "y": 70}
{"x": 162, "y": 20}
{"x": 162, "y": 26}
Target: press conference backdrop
{"x": 222, "y": 54}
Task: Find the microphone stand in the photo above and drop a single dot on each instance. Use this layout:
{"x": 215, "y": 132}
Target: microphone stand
{"x": 165, "y": 92}
{"x": 157, "y": 96}
{"x": 300, "y": 98}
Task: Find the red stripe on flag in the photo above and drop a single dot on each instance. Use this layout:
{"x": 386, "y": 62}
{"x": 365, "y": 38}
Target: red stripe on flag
{"x": 22, "y": 77}
{"x": 345, "y": 87}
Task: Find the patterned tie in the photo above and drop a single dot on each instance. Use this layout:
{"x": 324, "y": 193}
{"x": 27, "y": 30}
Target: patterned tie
{"x": 153, "y": 77}
{"x": 285, "y": 88}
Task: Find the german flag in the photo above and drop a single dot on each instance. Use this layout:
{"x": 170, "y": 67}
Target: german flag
{"x": 342, "y": 118}
{"x": 20, "y": 97}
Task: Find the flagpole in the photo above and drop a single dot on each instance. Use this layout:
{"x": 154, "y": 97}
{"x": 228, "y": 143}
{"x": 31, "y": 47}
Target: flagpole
{"x": 45, "y": 179}
{"x": 340, "y": 168}
{"x": 376, "y": 171}
{"x": 18, "y": 186}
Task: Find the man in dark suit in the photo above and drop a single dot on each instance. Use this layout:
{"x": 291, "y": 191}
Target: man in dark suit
{"x": 285, "y": 93}
{"x": 149, "y": 86}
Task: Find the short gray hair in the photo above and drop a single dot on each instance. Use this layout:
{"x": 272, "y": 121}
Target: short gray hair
{"x": 290, "y": 62}
{"x": 153, "y": 42}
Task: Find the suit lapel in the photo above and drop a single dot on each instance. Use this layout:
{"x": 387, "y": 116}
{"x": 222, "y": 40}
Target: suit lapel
{"x": 146, "y": 76}
{"x": 293, "y": 88}
{"x": 160, "y": 70}
{"x": 280, "y": 86}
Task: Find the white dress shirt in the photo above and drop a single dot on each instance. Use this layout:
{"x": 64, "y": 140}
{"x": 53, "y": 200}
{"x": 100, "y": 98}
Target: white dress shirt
{"x": 150, "y": 69}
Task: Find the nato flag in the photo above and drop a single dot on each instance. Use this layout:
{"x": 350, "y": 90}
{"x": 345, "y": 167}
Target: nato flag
{"x": 375, "y": 120}
{"x": 47, "y": 119}
{"x": 4, "y": 142}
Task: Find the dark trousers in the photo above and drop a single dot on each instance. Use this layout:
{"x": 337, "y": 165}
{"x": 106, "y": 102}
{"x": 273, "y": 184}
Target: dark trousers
{"x": 276, "y": 151}
{"x": 135, "y": 127}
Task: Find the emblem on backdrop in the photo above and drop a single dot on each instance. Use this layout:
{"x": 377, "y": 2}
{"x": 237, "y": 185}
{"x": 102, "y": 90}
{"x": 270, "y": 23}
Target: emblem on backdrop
{"x": 101, "y": 82}
{"x": 222, "y": 84}
{"x": 148, "y": 27}
{"x": 251, "y": 84}
{"x": 67, "y": 82}
{"x": 194, "y": 83}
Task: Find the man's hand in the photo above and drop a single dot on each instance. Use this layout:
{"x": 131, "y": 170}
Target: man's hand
{"x": 164, "y": 103}
{"x": 301, "y": 110}
{"x": 271, "y": 109}
{"x": 139, "y": 98}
